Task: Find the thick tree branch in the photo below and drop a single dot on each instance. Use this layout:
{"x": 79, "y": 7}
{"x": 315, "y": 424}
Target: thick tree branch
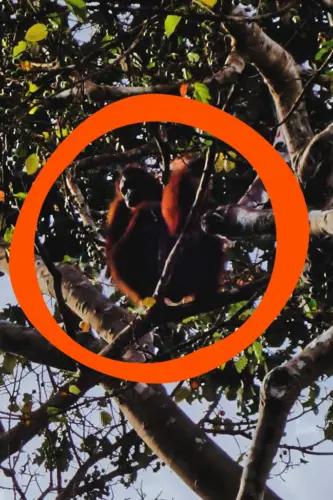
{"x": 328, "y": 4}
{"x": 280, "y": 390}
{"x": 235, "y": 221}
{"x": 315, "y": 166}
{"x": 190, "y": 453}
{"x": 27, "y": 342}
{"x": 281, "y": 74}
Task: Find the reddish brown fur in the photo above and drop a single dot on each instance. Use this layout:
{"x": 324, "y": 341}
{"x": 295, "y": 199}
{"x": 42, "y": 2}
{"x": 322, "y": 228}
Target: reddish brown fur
{"x": 140, "y": 238}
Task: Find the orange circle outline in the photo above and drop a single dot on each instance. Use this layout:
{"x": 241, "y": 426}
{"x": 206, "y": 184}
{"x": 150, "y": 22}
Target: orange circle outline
{"x": 292, "y": 232}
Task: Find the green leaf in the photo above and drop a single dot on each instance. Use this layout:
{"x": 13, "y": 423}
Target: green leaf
{"x": 32, "y": 163}
{"x": 67, "y": 258}
{"x": 182, "y": 394}
{"x": 73, "y": 389}
{"x": 9, "y": 363}
{"x": 27, "y": 397}
{"x": 107, "y": 38}
{"x": 8, "y": 234}
{"x": 328, "y": 431}
{"x": 229, "y": 166}
{"x": 20, "y": 196}
{"x": 170, "y": 24}
{"x": 52, "y": 410}
{"x": 241, "y": 363}
{"x": 313, "y": 305}
{"x": 201, "y": 92}
{"x": 105, "y": 417}
{"x": 22, "y": 152}
{"x": 217, "y": 336}
{"x": 327, "y": 45}
{"x": 257, "y": 349}
{"x": 321, "y": 53}
{"x": 234, "y": 308}
{"x": 231, "y": 393}
{"x": 54, "y": 19}
{"x": 79, "y": 8}
{"x": 78, "y": 4}
{"x": 13, "y": 407}
{"x": 189, "y": 319}
{"x": 36, "y": 33}
{"x": 19, "y": 48}
{"x": 61, "y": 133}
{"x": 151, "y": 64}
{"x": 193, "y": 57}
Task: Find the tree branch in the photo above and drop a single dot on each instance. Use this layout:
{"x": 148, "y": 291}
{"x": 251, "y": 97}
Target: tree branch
{"x": 280, "y": 390}
{"x": 27, "y": 342}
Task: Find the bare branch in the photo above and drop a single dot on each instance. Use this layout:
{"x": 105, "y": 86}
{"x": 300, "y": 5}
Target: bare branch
{"x": 316, "y": 161}
{"x": 27, "y": 342}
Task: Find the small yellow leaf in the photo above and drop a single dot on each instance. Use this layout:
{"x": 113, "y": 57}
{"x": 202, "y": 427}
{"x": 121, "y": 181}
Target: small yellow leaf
{"x": 19, "y": 48}
{"x": 230, "y": 165}
{"x": 63, "y": 132}
{"x": 8, "y": 234}
{"x": 73, "y": 389}
{"x": 148, "y": 302}
{"x": 36, "y": 33}
{"x": 207, "y": 3}
{"x": 33, "y": 110}
{"x": 220, "y": 162}
{"x": 170, "y": 24}
{"x": 33, "y": 87}
{"x": 32, "y": 163}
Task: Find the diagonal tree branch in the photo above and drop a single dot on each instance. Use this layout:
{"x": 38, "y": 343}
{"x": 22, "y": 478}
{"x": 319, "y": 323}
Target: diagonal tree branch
{"x": 280, "y": 390}
{"x": 27, "y": 342}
